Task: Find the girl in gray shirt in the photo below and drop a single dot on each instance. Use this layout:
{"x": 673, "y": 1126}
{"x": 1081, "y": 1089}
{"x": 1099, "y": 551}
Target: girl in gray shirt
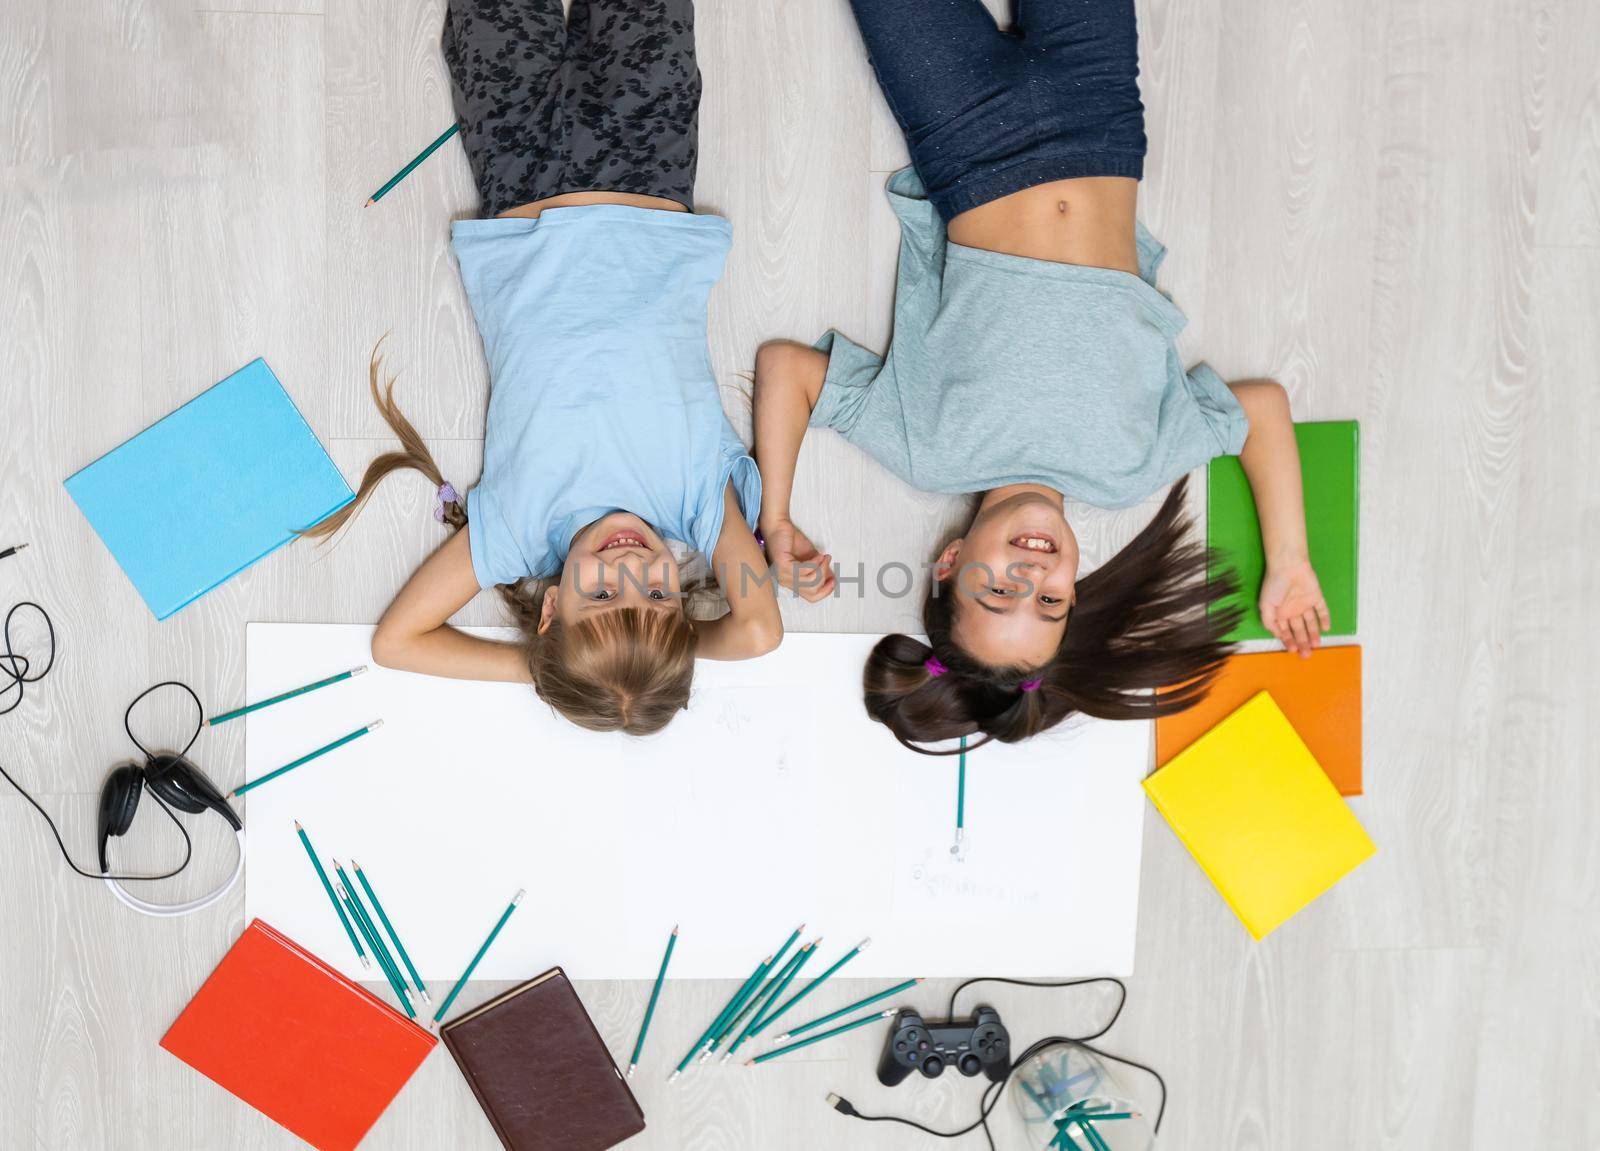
{"x": 1033, "y": 360}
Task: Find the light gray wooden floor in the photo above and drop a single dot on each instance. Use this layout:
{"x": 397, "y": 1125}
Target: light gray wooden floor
{"x": 1392, "y": 205}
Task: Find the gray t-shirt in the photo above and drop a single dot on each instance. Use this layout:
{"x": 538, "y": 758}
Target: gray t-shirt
{"x": 1007, "y": 370}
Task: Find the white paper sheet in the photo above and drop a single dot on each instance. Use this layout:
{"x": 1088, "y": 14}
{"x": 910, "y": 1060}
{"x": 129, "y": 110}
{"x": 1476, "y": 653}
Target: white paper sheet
{"x": 772, "y": 801}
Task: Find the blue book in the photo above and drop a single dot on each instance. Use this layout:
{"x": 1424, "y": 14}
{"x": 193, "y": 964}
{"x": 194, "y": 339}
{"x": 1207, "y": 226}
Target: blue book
{"x": 198, "y": 497}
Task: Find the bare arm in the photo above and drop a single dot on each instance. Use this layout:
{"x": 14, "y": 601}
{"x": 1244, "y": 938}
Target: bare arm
{"x": 752, "y": 626}
{"x": 1292, "y": 604}
{"x": 413, "y": 634}
{"x": 789, "y": 378}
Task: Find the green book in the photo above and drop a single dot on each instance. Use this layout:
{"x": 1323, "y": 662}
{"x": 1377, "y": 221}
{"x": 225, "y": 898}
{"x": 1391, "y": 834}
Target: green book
{"x": 1329, "y": 465}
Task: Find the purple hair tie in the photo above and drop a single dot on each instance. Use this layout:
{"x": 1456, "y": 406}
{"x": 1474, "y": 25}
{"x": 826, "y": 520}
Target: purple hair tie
{"x": 447, "y": 495}
{"x": 1031, "y": 684}
{"x": 935, "y": 668}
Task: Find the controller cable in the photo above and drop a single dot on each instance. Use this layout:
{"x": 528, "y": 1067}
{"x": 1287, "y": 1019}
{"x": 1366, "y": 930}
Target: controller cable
{"x": 991, "y": 1094}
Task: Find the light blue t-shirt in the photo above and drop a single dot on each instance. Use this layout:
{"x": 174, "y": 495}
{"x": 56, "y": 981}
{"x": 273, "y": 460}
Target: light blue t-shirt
{"x": 1007, "y": 370}
{"x": 601, "y": 393}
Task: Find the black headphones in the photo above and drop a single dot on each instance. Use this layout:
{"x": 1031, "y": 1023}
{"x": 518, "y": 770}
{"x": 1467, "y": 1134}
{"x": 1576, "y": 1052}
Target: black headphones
{"x": 172, "y": 779}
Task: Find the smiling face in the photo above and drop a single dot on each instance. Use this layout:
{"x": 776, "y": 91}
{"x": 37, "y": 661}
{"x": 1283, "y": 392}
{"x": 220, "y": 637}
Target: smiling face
{"x": 1012, "y": 575}
{"x": 617, "y": 561}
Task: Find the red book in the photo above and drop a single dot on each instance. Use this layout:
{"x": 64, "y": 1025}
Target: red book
{"x": 297, "y": 1041}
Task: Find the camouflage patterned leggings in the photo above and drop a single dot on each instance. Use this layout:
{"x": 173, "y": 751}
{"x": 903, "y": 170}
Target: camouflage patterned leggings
{"x": 607, "y": 101}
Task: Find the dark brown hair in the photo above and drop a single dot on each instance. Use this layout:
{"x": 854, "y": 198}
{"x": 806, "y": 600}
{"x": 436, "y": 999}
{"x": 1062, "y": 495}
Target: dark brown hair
{"x": 624, "y": 670}
{"x": 1146, "y": 619}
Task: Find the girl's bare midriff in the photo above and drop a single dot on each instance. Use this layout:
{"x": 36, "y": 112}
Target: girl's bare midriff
{"x": 582, "y": 199}
{"x": 1087, "y": 221}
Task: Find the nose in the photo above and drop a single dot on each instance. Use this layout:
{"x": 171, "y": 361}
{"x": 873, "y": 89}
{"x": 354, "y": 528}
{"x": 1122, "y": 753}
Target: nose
{"x": 1034, "y": 562}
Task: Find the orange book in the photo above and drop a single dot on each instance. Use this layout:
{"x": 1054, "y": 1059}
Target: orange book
{"x": 1321, "y": 697}
{"x": 297, "y": 1041}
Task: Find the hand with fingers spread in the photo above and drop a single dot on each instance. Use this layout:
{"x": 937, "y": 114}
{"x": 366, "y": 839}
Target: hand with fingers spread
{"x": 1292, "y": 604}
{"x": 795, "y": 558}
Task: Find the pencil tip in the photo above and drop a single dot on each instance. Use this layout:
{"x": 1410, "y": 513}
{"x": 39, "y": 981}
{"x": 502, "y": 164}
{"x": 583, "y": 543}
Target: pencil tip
{"x": 749, "y": 1062}
{"x": 920, "y": 979}
{"x": 674, "y": 929}
{"x": 297, "y": 826}
{"x": 368, "y": 204}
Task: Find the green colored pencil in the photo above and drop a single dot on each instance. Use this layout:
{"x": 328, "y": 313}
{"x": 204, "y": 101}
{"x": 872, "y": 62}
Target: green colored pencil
{"x": 1038, "y": 1100}
{"x": 1064, "y": 1138}
{"x": 719, "y": 1028}
{"x": 764, "y": 1016}
{"x": 818, "y": 981}
{"x": 832, "y": 1015}
{"x": 467, "y": 974}
{"x": 332, "y": 898}
{"x": 961, "y": 801}
{"x": 238, "y": 711}
{"x": 769, "y": 996}
{"x": 1095, "y": 1140}
{"x": 370, "y": 929}
{"x": 738, "y": 998}
{"x": 738, "y": 1013}
{"x": 818, "y": 1038}
{"x": 383, "y": 963}
{"x": 416, "y": 979}
{"x": 308, "y": 757}
{"x": 752, "y": 1008}
{"x": 650, "y": 1010}
{"x": 406, "y": 171}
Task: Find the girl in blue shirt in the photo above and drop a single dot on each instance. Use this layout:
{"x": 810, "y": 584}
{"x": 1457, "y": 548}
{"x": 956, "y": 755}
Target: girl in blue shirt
{"x": 588, "y": 277}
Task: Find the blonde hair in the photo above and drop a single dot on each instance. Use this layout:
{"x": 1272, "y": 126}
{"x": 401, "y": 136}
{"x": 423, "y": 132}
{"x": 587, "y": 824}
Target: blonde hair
{"x": 624, "y": 670}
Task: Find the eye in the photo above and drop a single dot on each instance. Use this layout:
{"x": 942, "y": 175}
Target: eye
{"x": 602, "y": 594}
{"x": 657, "y": 594}
{"x": 1049, "y": 600}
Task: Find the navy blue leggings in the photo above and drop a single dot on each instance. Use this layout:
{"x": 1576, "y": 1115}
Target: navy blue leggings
{"x": 989, "y": 111}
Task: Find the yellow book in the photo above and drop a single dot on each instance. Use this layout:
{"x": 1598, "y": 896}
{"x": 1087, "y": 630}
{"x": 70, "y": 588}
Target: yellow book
{"x": 1259, "y": 815}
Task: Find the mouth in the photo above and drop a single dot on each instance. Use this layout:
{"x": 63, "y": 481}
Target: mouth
{"x": 624, "y": 539}
{"x": 1034, "y": 542}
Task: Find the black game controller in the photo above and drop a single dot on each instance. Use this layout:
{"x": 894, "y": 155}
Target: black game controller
{"x": 969, "y": 1045}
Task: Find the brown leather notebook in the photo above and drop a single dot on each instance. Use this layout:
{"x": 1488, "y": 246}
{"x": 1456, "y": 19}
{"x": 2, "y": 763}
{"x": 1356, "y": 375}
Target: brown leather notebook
{"x": 541, "y": 1072}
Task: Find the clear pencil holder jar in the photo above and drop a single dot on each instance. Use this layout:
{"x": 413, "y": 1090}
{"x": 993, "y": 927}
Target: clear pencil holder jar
{"x": 1070, "y": 1100}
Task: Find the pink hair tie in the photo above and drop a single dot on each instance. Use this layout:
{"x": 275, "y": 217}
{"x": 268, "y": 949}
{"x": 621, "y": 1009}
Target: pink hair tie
{"x": 935, "y": 668}
{"x": 1031, "y": 684}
